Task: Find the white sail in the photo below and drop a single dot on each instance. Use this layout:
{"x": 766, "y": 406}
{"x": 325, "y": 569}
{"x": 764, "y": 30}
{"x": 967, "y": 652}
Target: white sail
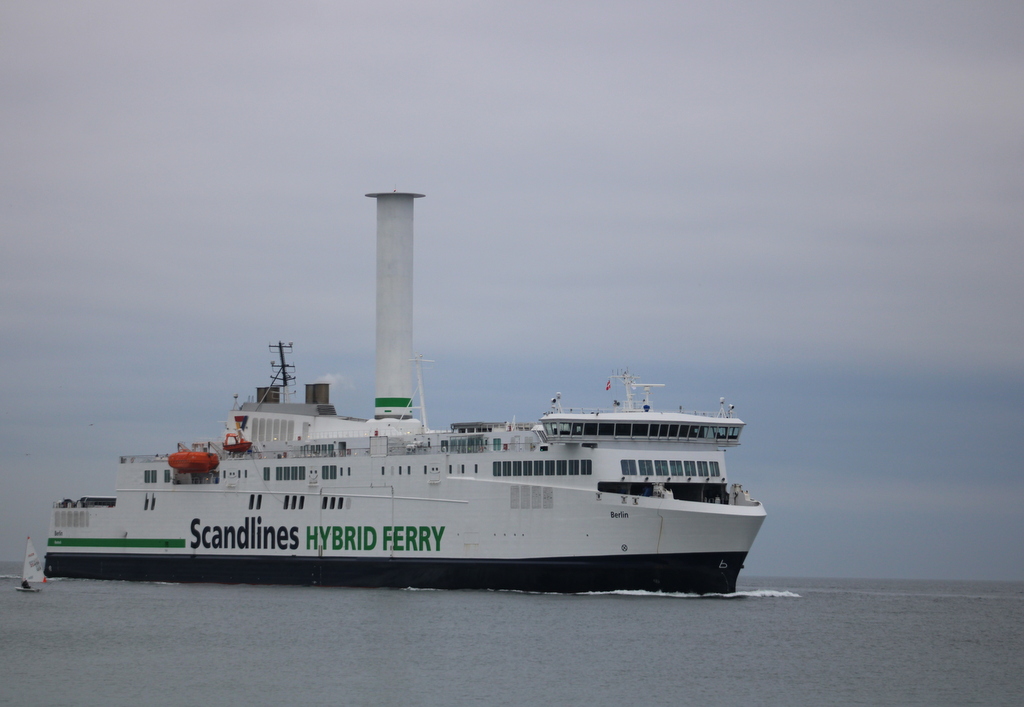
{"x": 32, "y": 570}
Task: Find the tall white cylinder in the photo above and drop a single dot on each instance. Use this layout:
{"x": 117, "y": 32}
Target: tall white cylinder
{"x": 394, "y": 305}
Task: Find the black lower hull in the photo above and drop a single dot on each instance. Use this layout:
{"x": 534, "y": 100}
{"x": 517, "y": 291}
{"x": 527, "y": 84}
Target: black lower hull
{"x": 698, "y": 573}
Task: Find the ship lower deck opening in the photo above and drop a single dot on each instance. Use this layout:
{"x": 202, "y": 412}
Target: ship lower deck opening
{"x": 705, "y": 493}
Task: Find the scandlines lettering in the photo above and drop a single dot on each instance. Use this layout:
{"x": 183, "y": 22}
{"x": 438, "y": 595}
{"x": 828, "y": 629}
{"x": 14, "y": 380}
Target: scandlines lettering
{"x": 251, "y": 535}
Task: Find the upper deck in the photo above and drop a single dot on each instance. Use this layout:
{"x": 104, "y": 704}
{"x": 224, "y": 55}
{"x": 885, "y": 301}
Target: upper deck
{"x": 586, "y": 428}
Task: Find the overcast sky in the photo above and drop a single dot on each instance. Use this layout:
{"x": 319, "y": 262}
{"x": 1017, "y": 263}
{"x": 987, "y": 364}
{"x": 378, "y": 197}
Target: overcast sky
{"x": 812, "y": 209}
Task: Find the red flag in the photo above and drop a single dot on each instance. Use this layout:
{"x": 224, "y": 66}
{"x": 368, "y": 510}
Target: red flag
{"x": 609, "y": 386}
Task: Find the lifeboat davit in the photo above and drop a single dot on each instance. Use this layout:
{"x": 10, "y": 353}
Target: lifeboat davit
{"x": 235, "y": 444}
{"x": 193, "y": 462}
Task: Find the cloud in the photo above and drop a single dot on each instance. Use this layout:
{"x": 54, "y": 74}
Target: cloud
{"x": 714, "y": 195}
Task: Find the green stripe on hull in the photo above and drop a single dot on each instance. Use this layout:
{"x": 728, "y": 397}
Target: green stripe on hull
{"x": 115, "y": 542}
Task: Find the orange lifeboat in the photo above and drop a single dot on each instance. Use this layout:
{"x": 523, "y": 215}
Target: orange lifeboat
{"x": 235, "y": 444}
{"x": 193, "y": 462}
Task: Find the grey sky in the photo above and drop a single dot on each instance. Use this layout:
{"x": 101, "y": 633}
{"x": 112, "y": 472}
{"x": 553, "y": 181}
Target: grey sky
{"x": 814, "y": 209}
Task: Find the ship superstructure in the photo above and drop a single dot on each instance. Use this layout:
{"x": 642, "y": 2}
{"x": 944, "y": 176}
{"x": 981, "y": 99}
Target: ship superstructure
{"x": 294, "y": 493}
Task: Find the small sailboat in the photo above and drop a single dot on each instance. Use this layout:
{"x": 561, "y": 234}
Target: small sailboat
{"x": 32, "y": 570}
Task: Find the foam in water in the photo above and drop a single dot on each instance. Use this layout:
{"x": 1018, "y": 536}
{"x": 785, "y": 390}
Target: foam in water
{"x": 754, "y": 593}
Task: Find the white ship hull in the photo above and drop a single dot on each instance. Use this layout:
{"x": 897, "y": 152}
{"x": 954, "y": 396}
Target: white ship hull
{"x": 468, "y": 528}
{"x": 627, "y": 499}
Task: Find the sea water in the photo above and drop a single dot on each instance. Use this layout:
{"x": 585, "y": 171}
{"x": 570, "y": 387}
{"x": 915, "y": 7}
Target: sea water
{"x": 778, "y": 641}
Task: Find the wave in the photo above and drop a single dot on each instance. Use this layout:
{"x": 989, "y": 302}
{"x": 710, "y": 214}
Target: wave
{"x": 752, "y": 594}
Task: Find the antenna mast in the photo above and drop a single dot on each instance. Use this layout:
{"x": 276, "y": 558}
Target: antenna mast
{"x": 631, "y": 381}
{"x": 282, "y": 369}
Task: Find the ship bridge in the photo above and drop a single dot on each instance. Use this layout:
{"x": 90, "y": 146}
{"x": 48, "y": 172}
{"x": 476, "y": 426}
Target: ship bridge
{"x": 633, "y": 420}
{"x": 645, "y": 426}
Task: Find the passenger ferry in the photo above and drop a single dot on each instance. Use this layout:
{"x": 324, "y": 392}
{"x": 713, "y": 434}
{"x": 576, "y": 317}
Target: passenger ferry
{"x": 627, "y": 498}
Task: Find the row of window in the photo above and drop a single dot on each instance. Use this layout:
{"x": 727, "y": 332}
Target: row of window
{"x": 671, "y": 467}
{"x": 320, "y": 449}
{"x": 636, "y": 430}
{"x": 286, "y": 473}
{"x": 408, "y": 469}
{"x": 149, "y": 476}
{"x": 298, "y": 473}
{"x": 465, "y": 445}
{"x": 331, "y": 471}
{"x": 546, "y": 467}
{"x": 328, "y": 502}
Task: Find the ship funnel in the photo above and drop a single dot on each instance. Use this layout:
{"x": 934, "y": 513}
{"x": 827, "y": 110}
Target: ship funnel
{"x": 394, "y": 305}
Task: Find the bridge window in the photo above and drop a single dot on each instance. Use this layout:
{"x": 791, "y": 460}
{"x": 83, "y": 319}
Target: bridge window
{"x": 588, "y": 467}
{"x": 628, "y": 467}
{"x": 561, "y": 467}
{"x": 574, "y": 467}
{"x": 622, "y": 429}
{"x": 549, "y": 467}
{"x": 661, "y": 467}
{"x": 715, "y": 471}
{"x": 590, "y": 428}
{"x": 517, "y": 468}
{"x": 495, "y": 469}
{"x": 606, "y": 429}
{"x": 702, "y": 468}
{"x": 646, "y": 467}
{"x": 691, "y": 468}
{"x": 640, "y": 430}
{"x": 675, "y": 467}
